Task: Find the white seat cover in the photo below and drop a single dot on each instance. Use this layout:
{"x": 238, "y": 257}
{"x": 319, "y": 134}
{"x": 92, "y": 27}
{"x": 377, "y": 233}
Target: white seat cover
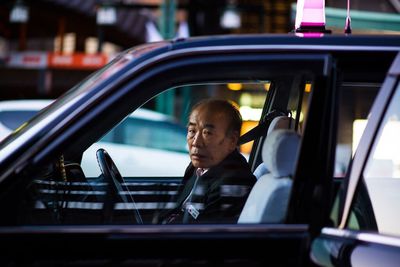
{"x": 280, "y": 122}
{"x": 268, "y": 200}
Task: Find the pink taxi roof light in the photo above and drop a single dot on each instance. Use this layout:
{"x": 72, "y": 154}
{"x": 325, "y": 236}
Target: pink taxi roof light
{"x": 310, "y": 13}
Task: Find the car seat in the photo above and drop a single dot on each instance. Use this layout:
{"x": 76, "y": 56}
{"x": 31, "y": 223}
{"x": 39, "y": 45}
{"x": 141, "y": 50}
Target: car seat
{"x": 269, "y": 197}
{"x": 280, "y": 122}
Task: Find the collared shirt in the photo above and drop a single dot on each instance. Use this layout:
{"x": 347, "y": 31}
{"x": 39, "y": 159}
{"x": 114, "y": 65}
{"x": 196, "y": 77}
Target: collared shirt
{"x": 201, "y": 171}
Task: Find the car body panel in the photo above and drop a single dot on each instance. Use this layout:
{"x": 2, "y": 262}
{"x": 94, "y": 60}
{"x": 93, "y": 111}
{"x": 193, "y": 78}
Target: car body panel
{"x": 335, "y": 247}
{"x": 150, "y": 246}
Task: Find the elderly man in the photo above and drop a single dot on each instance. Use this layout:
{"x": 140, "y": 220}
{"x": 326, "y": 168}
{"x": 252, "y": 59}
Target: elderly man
{"x": 218, "y": 180}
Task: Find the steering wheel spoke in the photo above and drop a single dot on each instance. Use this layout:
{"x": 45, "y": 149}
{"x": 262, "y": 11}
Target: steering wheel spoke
{"x": 115, "y": 190}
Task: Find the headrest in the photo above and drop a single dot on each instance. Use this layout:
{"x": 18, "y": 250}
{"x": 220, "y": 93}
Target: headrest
{"x": 280, "y": 151}
{"x": 281, "y": 122}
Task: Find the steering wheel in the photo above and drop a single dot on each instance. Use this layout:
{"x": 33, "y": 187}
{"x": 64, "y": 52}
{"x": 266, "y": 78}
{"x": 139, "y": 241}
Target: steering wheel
{"x": 107, "y": 166}
{"x": 114, "y": 178}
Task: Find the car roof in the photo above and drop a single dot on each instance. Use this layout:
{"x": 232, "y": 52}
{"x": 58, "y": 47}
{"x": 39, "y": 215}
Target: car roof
{"x": 335, "y": 40}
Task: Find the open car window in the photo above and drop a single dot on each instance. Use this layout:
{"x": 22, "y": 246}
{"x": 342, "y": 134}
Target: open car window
{"x": 149, "y": 149}
{"x": 149, "y": 143}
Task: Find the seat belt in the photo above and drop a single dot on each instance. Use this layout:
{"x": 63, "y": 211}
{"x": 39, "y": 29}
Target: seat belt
{"x": 261, "y": 128}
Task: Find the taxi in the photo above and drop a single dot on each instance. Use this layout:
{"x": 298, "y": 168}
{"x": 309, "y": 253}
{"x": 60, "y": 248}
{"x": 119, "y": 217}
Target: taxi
{"x": 54, "y": 213}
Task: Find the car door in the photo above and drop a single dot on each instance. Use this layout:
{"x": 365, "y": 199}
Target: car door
{"x": 100, "y": 241}
{"x": 366, "y": 212}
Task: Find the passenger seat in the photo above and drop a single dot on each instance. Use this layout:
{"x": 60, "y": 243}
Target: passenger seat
{"x": 269, "y": 197}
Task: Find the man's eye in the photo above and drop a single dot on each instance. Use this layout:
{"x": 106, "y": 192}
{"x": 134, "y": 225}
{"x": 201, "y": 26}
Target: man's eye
{"x": 206, "y": 132}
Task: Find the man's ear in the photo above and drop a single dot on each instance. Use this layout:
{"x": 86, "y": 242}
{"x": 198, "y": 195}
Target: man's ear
{"x": 234, "y": 138}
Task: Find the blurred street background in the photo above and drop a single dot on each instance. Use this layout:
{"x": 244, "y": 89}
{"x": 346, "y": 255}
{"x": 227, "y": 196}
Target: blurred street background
{"x": 48, "y": 46}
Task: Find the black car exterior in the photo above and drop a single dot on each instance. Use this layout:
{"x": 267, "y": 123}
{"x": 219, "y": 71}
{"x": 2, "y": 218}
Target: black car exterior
{"x": 365, "y": 231}
{"x": 52, "y": 234}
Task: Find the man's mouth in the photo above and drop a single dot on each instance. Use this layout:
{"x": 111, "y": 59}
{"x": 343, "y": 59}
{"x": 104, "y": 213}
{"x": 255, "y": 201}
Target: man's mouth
{"x": 197, "y": 156}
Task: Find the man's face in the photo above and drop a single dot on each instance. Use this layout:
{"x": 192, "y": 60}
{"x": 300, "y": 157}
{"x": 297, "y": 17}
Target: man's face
{"x": 207, "y": 137}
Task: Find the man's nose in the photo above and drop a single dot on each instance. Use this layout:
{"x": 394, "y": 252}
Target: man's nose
{"x": 197, "y": 140}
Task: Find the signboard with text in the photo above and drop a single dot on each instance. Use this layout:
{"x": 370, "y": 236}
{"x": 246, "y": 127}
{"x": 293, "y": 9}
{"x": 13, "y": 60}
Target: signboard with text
{"x": 42, "y": 60}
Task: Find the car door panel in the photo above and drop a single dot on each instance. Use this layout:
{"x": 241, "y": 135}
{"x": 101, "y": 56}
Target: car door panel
{"x": 364, "y": 236}
{"x": 354, "y": 248}
{"x": 171, "y": 245}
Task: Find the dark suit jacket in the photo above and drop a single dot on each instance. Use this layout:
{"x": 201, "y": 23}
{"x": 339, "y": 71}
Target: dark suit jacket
{"x": 219, "y": 195}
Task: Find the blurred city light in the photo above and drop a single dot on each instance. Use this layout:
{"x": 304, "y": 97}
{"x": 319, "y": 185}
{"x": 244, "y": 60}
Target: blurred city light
{"x": 106, "y": 15}
{"x": 19, "y": 13}
{"x": 230, "y": 18}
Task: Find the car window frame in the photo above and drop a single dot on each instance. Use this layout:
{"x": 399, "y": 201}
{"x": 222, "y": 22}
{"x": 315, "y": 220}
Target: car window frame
{"x": 314, "y": 185}
{"x": 255, "y": 60}
{"x": 126, "y": 89}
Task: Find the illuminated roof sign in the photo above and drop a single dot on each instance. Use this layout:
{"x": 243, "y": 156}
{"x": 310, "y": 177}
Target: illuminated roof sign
{"x": 310, "y": 16}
